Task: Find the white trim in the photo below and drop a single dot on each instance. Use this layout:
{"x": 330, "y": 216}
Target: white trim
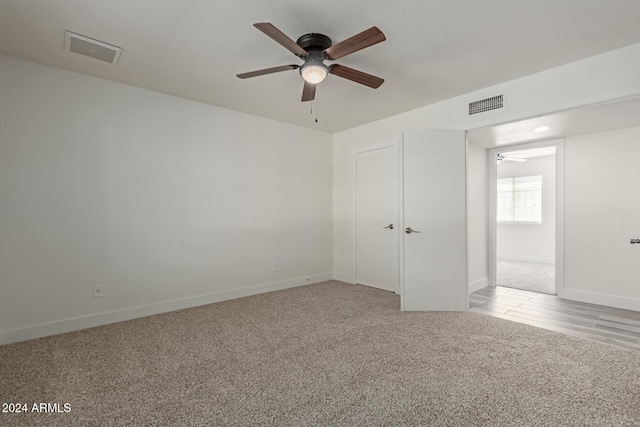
{"x": 90, "y": 321}
{"x": 492, "y": 167}
{"x": 476, "y": 285}
{"x": 466, "y": 214}
{"x": 560, "y": 217}
{"x": 400, "y": 262}
{"x": 600, "y": 299}
{"x": 401, "y": 218}
{"x": 347, "y": 278}
{"x": 524, "y": 258}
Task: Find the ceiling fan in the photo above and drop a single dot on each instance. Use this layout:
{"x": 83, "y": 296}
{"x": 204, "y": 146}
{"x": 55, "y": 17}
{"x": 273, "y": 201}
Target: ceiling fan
{"x": 503, "y": 158}
{"x": 314, "y": 49}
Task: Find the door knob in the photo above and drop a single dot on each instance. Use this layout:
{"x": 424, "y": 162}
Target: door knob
{"x": 390, "y": 227}
{"x": 410, "y": 230}
{"x": 634, "y": 241}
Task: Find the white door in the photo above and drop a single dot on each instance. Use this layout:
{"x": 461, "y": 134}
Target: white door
{"x": 377, "y": 218}
{"x": 434, "y": 268}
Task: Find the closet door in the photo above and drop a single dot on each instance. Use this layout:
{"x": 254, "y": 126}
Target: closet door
{"x": 377, "y": 218}
{"x": 434, "y": 249}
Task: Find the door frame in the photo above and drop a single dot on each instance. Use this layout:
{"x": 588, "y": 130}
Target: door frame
{"x": 559, "y": 235}
{"x": 396, "y": 152}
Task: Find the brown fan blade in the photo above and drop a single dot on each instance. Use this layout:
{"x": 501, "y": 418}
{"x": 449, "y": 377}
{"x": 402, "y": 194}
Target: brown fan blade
{"x": 308, "y": 92}
{"x": 282, "y": 38}
{"x": 356, "y": 76}
{"x": 353, "y": 44}
{"x": 267, "y": 71}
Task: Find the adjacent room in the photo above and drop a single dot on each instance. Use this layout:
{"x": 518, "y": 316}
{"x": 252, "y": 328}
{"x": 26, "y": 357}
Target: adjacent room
{"x": 525, "y": 220}
{"x": 292, "y": 213}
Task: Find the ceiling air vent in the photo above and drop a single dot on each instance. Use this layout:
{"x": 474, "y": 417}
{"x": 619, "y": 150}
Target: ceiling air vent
{"x": 488, "y": 104}
{"x": 91, "y": 48}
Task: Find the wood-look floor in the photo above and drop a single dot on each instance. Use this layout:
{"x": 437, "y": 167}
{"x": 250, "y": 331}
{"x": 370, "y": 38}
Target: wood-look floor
{"x": 597, "y": 322}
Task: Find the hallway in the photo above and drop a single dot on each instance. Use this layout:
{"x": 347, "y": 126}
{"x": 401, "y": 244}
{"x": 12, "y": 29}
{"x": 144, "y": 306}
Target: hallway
{"x": 606, "y": 324}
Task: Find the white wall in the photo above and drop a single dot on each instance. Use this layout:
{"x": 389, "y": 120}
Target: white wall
{"x": 531, "y": 242}
{"x": 165, "y": 202}
{"x": 602, "y": 213}
{"x": 596, "y": 79}
{"x": 477, "y": 216}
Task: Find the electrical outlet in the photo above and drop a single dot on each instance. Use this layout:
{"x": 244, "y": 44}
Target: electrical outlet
{"x": 274, "y": 266}
{"x": 97, "y": 291}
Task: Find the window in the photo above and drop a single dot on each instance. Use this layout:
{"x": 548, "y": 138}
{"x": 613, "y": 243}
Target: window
{"x": 520, "y": 200}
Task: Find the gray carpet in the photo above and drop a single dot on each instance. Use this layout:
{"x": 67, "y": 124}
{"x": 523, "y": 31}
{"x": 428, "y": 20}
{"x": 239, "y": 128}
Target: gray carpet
{"x": 528, "y": 276}
{"x": 326, "y": 354}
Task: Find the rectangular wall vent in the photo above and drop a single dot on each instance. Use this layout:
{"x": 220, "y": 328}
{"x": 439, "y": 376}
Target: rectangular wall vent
{"x": 91, "y": 48}
{"x": 488, "y": 104}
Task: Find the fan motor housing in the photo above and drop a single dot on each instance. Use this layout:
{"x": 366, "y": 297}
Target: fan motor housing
{"x": 314, "y": 41}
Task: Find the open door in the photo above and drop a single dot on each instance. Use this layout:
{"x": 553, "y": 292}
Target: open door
{"x": 434, "y": 249}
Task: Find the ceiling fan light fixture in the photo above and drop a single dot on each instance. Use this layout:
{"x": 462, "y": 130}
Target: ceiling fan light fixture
{"x": 314, "y": 49}
{"x": 314, "y": 73}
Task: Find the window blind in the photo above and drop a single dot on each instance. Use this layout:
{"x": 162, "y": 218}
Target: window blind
{"x": 520, "y": 199}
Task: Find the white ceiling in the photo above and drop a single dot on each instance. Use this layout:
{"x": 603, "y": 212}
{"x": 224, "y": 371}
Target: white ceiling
{"x": 435, "y": 49}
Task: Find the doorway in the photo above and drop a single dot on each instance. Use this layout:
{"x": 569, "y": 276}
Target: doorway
{"x": 526, "y": 219}
{"x": 377, "y": 218}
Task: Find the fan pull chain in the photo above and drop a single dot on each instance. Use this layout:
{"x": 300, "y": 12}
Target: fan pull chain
{"x": 311, "y": 103}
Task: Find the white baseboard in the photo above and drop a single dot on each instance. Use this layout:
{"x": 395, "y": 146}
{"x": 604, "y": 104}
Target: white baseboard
{"x": 84, "y": 322}
{"x": 601, "y": 299}
{"x": 344, "y": 278}
{"x": 476, "y": 285}
{"x": 524, "y": 258}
